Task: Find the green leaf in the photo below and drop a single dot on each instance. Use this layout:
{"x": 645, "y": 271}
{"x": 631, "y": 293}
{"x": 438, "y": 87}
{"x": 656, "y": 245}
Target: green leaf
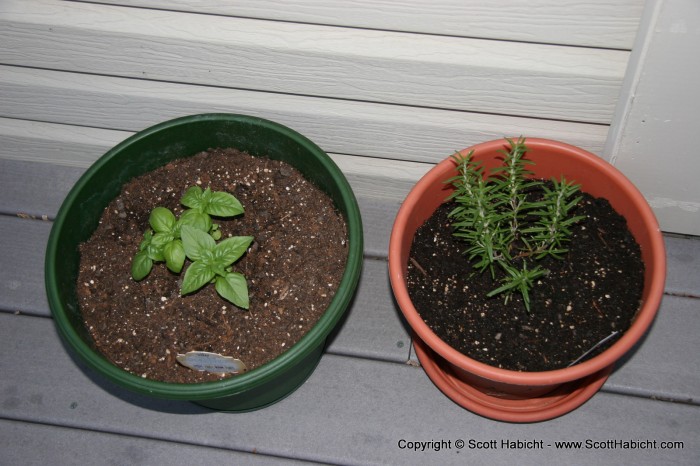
{"x": 572, "y": 220}
{"x": 193, "y": 198}
{"x": 197, "y": 199}
{"x": 147, "y": 237}
{"x": 219, "y": 269}
{"x": 197, "y": 275}
{"x": 224, "y": 205}
{"x": 155, "y": 253}
{"x": 195, "y": 219}
{"x": 141, "y": 266}
{"x": 234, "y": 288}
{"x": 206, "y": 197}
{"x": 507, "y": 286}
{"x": 231, "y": 249}
{"x": 174, "y": 254}
{"x": 162, "y": 220}
{"x": 196, "y": 243}
{"x": 159, "y": 240}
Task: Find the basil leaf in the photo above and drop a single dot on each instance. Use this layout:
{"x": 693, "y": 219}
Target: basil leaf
{"x": 147, "y": 237}
{"x": 231, "y": 249}
{"x": 162, "y": 220}
{"x": 206, "y": 198}
{"x": 234, "y": 288}
{"x": 141, "y": 266}
{"x": 193, "y": 198}
{"x": 196, "y": 243}
{"x": 174, "y": 254}
{"x": 197, "y": 275}
{"x": 195, "y": 219}
{"x": 224, "y": 205}
{"x": 155, "y": 253}
{"x": 159, "y": 240}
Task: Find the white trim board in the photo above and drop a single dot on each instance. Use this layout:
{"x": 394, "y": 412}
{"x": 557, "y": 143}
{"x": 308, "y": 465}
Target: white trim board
{"x": 651, "y": 139}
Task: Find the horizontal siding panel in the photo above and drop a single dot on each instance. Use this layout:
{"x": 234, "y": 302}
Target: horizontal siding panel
{"x": 346, "y": 127}
{"x": 593, "y": 23}
{"x": 543, "y": 81}
{"x": 68, "y": 146}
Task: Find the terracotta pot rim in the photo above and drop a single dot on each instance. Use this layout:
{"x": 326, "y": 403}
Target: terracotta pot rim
{"x": 645, "y": 314}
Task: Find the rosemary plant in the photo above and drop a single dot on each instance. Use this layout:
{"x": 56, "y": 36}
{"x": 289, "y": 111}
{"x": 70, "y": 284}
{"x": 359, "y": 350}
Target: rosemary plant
{"x": 503, "y": 227}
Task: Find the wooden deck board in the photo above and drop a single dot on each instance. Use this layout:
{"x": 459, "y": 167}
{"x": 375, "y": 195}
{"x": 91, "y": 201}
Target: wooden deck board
{"x": 34, "y": 189}
{"x": 31, "y": 444}
{"x": 351, "y": 410}
{"x": 656, "y": 367}
{"x": 683, "y": 255}
{"x": 374, "y": 327}
{"x": 22, "y": 271}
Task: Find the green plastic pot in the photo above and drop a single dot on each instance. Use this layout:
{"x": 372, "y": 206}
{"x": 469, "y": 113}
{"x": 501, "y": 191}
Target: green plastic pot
{"x": 156, "y": 146}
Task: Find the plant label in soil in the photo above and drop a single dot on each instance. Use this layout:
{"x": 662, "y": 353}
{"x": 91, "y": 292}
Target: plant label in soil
{"x": 211, "y": 362}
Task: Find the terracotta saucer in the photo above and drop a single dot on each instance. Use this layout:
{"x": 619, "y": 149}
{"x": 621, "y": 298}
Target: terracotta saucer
{"x": 557, "y": 403}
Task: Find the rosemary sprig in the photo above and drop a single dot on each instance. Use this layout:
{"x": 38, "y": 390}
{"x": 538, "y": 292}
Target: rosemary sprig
{"x": 511, "y": 183}
{"x": 478, "y": 220}
{"x": 551, "y": 229}
{"x": 502, "y": 226}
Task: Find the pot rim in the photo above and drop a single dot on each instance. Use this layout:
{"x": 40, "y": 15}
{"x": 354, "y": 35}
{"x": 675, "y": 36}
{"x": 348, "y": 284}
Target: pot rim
{"x": 645, "y": 315}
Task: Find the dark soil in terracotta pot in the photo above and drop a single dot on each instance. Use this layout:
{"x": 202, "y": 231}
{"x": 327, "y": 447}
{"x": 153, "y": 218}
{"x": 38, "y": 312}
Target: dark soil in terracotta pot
{"x": 588, "y": 296}
{"x": 293, "y": 269}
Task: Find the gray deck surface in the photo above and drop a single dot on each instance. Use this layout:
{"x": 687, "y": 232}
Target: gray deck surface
{"x": 365, "y": 397}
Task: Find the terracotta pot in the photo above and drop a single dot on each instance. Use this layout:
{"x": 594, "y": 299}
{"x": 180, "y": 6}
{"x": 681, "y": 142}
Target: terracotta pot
{"x": 527, "y": 396}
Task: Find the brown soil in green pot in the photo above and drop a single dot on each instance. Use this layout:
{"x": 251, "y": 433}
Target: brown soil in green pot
{"x": 293, "y": 269}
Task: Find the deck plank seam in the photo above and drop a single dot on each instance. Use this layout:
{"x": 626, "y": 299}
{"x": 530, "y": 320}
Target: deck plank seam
{"x": 141, "y": 436}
